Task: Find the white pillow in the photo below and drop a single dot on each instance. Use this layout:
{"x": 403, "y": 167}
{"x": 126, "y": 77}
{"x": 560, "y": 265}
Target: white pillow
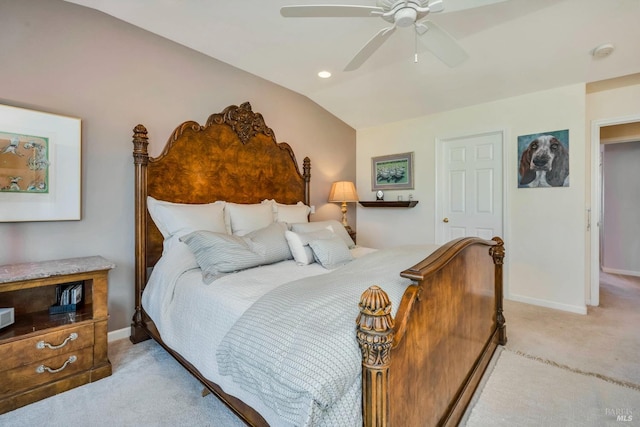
{"x": 289, "y": 213}
{"x": 178, "y": 219}
{"x": 336, "y": 226}
{"x": 245, "y": 218}
{"x": 330, "y": 253}
{"x": 299, "y": 244}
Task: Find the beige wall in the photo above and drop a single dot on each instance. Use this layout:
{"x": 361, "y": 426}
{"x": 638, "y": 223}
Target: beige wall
{"x": 545, "y": 230}
{"x": 65, "y": 59}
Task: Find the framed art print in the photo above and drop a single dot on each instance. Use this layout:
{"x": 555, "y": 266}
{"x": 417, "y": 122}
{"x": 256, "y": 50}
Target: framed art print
{"x": 40, "y": 156}
{"x": 543, "y": 159}
{"x": 392, "y": 172}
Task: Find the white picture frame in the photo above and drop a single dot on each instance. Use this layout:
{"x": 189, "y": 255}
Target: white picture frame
{"x": 40, "y": 166}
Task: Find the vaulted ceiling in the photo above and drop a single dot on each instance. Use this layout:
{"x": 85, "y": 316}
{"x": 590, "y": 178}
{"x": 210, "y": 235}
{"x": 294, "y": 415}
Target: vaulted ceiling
{"x": 514, "y": 47}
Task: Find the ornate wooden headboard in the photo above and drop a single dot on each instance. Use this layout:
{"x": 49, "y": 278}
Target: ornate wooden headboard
{"x": 234, "y": 157}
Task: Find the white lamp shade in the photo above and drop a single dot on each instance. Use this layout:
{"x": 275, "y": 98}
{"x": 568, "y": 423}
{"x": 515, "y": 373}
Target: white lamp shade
{"x": 343, "y": 191}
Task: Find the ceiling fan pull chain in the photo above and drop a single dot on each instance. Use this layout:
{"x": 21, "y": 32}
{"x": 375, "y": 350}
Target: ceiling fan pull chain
{"x": 415, "y": 55}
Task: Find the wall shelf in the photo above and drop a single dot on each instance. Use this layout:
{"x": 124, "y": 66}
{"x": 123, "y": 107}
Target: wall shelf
{"x": 383, "y": 204}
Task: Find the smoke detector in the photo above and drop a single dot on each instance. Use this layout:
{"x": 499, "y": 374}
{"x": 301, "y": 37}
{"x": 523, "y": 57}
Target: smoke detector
{"x": 603, "y": 50}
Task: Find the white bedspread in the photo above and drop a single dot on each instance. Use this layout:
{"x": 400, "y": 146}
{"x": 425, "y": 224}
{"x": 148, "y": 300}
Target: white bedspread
{"x": 192, "y": 317}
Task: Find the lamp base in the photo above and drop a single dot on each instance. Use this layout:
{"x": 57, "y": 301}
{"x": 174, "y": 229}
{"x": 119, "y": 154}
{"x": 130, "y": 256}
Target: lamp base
{"x": 344, "y": 214}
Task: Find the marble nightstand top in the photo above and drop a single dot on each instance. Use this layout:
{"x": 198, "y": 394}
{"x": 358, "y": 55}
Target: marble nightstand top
{"x": 37, "y": 270}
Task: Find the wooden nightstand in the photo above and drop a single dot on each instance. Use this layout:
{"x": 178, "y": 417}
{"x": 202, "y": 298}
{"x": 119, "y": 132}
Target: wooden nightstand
{"x": 45, "y": 354}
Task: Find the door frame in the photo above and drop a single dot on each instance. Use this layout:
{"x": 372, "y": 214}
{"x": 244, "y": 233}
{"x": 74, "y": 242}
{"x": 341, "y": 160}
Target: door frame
{"x": 439, "y": 191}
{"x": 595, "y": 219}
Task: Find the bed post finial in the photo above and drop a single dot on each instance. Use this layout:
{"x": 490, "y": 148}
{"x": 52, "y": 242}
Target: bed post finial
{"x": 497, "y": 252}
{"x": 140, "y": 143}
{"x": 375, "y": 336}
{"x": 306, "y": 174}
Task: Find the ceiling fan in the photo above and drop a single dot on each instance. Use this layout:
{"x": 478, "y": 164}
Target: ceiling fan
{"x": 400, "y": 13}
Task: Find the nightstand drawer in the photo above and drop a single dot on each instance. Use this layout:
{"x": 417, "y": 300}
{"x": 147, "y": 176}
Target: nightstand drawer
{"x": 45, "y": 346}
{"x": 45, "y": 371}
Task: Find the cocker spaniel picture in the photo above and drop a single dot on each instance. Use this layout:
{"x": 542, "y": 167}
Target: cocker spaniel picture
{"x": 544, "y": 160}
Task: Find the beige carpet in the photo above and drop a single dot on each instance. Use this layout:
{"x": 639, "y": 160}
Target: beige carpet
{"x": 524, "y": 392}
{"x": 605, "y": 341}
{"x": 564, "y": 369}
{"x": 558, "y": 369}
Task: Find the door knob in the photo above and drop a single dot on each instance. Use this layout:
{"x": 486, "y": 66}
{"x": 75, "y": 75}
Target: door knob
{"x": 445, "y": 220}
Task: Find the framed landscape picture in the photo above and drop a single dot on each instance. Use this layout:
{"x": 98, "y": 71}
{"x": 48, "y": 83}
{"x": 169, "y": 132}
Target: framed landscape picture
{"x": 392, "y": 172}
{"x": 39, "y": 166}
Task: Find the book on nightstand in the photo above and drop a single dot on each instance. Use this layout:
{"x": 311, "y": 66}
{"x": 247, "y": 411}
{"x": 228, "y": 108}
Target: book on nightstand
{"x": 68, "y": 298}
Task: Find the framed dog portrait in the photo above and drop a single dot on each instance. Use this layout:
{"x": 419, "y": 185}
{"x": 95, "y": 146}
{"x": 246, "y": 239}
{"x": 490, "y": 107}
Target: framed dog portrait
{"x": 39, "y": 166}
{"x": 543, "y": 159}
{"x": 392, "y": 172}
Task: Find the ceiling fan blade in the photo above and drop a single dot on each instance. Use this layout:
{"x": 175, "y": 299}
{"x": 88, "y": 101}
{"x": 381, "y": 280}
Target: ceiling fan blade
{"x": 330, "y": 11}
{"x": 436, "y": 6}
{"x": 441, "y": 44}
{"x": 368, "y": 49}
{"x": 457, "y": 5}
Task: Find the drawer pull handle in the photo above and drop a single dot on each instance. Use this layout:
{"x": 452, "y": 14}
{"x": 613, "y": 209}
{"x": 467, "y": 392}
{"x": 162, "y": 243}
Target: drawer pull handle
{"x": 41, "y": 344}
{"x": 40, "y": 369}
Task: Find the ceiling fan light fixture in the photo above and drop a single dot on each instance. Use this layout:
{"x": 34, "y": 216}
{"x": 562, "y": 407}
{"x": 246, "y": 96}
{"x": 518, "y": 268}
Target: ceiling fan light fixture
{"x": 405, "y": 17}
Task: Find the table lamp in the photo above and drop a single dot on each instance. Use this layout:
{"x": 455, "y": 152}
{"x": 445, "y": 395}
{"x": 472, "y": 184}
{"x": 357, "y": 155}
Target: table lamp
{"x": 343, "y": 191}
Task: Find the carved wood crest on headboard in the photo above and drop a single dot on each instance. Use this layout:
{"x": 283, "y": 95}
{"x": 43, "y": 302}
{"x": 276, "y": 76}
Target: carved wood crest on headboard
{"x": 244, "y": 122}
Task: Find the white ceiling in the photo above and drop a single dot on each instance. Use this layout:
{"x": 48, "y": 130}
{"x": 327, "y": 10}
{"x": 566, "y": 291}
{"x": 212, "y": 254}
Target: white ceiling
{"x": 515, "y": 47}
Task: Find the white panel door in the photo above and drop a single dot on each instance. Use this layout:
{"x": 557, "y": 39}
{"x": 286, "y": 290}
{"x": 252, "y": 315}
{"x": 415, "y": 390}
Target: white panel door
{"x": 470, "y": 190}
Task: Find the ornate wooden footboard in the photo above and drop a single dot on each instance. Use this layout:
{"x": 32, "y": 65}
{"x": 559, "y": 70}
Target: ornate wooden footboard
{"x": 421, "y": 368}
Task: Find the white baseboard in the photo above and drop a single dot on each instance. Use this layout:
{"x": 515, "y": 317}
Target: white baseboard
{"x": 549, "y": 304}
{"x": 623, "y": 272}
{"x": 119, "y": 334}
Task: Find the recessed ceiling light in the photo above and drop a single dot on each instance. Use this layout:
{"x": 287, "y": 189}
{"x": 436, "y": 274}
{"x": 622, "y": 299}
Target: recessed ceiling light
{"x": 324, "y": 74}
